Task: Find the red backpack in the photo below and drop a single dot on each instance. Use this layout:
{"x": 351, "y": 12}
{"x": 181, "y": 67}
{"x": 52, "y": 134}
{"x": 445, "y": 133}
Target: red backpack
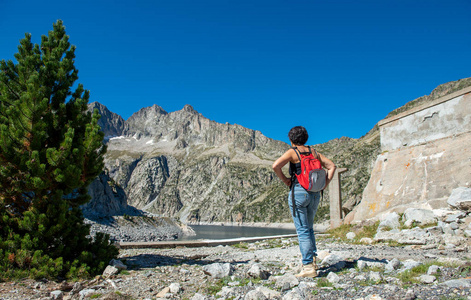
{"x": 312, "y": 177}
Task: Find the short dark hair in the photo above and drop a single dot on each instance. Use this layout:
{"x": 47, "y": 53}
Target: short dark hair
{"x": 298, "y": 135}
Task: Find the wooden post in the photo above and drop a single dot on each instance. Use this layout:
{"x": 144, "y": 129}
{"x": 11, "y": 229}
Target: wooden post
{"x": 335, "y": 196}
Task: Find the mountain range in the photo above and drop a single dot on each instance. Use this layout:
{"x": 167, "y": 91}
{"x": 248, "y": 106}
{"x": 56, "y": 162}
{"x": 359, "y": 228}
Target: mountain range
{"x": 183, "y": 165}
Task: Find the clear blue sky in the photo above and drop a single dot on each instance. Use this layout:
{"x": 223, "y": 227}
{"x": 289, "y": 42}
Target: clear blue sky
{"x": 335, "y": 67}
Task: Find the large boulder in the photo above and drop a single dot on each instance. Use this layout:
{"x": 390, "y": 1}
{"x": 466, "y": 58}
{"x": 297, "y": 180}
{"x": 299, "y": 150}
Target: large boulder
{"x": 421, "y": 216}
{"x": 460, "y": 198}
{"x": 390, "y": 220}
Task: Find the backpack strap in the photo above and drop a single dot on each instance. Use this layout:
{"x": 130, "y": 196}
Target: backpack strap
{"x": 297, "y": 152}
{"x": 293, "y": 203}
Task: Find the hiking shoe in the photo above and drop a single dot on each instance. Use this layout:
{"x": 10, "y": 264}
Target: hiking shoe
{"x": 309, "y": 270}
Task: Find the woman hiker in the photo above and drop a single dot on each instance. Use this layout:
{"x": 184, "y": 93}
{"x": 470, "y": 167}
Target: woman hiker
{"x": 305, "y": 203}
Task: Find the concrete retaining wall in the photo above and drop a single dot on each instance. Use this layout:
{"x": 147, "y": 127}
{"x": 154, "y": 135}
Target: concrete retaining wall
{"x": 426, "y": 154}
{"x": 444, "y": 117}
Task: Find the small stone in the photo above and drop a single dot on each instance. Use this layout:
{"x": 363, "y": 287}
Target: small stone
{"x": 163, "y": 292}
{"x": 390, "y": 220}
{"x": 394, "y": 263}
{"x": 427, "y": 279}
{"x": 118, "y": 264}
{"x": 322, "y": 254}
{"x": 175, "y": 288}
{"x": 366, "y": 240}
{"x": 360, "y": 277}
{"x": 374, "y": 276}
{"x": 198, "y": 296}
{"x": 286, "y": 282}
{"x": 218, "y": 270}
{"x": 269, "y": 293}
{"x": 86, "y": 293}
{"x": 258, "y": 271}
{"x": 110, "y": 271}
{"x": 333, "y": 278}
{"x": 361, "y": 264}
{"x": 331, "y": 260}
{"x": 77, "y": 288}
{"x": 410, "y": 295}
{"x": 373, "y": 297}
{"x": 455, "y": 217}
{"x": 225, "y": 292}
{"x": 255, "y": 295}
{"x": 433, "y": 269}
{"x": 57, "y": 295}
{"x": 351, "y": 235}
{"x": 409, "y": 264}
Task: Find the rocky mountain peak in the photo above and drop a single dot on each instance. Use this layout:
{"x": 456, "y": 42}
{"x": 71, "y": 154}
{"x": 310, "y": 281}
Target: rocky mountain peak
{"x": 112, "y": 124}
{"x": 190, "y": 109}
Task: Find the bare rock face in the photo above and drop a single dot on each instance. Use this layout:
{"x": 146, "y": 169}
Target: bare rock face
{"x": 183, "y": 165}
{"x": 107, "y": 198}
{"x": 111, "y": 124}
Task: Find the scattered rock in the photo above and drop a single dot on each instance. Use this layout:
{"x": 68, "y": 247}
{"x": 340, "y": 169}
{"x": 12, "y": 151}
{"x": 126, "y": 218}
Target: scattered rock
{"x": 427, "y": 279}
{"x": 287, "y": 280}
{"x": 366, "y": 240}
{"x": 456, "y": 217}
{"x": 333, "y": 278}
{"x": 410, "y": 295}
{"x": 375, "y": 276}
{"x": 458, "y": 283}
{"x": 433, "y": 270}
{"x": 118, "y": 264}
{"x": 258, "y": 271}
{"x": 175, "y": 288}
{"x": 110, "y": 271}
{"x": 323, "y": 254}
{"x": 334, "y": 261}
{"x": 255, "y": 295}
{"x": 218, "y": 270}
{"x": 226, "y": 292}
{"x": 460, "y": 198}
{"x": 421, "y": 216}
{"x": 198, "y": 296}
{"x": 57, "y": 295}
{"x": 390, "y": 220}
{"x": 163, "y": 292}
{"x": 351, "y": 235}
{"x": 269, "y": 293}
{"x": 409, "y": 264}
{"x": 86, "y": 293}
{"x": 392, "y": 265}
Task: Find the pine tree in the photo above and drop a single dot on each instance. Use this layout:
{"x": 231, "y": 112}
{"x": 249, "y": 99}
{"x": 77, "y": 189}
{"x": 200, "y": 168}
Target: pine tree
{"x": 51, "y": 149}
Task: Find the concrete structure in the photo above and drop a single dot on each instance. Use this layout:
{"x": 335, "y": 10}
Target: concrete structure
{"x": 199, "y": 243}
{"x": 336, "y": 216}
{"x": 426, "y": 154}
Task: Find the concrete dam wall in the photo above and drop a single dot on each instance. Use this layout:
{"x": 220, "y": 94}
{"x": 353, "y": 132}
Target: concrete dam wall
{"x": 426, "y": 153}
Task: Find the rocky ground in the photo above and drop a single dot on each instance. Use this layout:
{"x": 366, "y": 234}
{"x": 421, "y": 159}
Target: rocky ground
{"x": 421, "y": 254}
{"x": 265, "y": 270}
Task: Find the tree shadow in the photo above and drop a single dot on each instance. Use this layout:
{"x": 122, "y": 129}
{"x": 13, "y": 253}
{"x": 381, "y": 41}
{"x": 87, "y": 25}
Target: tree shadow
{"x": 146, "y": 261}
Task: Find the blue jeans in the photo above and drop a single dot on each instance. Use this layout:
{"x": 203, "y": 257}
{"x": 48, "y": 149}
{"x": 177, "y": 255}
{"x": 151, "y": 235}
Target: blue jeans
{"x": 306, "y": 208}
